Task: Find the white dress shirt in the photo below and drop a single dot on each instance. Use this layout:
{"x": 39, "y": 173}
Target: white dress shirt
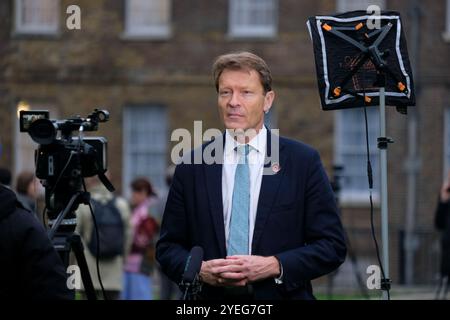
{"x": 256, "y": 158}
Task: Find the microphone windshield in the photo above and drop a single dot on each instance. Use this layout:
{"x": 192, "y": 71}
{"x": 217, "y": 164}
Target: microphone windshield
{"x": 193, "y": 264}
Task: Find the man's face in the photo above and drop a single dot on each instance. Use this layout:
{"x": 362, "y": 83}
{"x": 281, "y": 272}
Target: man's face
{"x": 241, "y": 99}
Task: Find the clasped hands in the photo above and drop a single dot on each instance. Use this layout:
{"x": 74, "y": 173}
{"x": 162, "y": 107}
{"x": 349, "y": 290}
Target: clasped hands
{"x": 238, "y": 270}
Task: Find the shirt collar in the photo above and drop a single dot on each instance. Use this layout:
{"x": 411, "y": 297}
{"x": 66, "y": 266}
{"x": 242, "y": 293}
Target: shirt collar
{"x": 258, "y": 142}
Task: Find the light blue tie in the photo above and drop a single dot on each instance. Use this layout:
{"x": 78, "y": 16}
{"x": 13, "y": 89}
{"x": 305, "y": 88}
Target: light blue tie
{"x": 239, "y": 224}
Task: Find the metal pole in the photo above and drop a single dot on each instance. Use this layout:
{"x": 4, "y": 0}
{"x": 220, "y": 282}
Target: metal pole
{"x": 384, "y": 193}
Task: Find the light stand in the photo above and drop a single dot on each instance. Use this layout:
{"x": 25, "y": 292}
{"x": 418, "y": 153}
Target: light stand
{"x": 383, "y": 143}
{"x": 359, "y": 64}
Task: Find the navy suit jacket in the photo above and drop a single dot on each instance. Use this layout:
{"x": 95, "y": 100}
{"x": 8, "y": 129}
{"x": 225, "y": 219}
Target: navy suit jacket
{"x": 297, "y": 221}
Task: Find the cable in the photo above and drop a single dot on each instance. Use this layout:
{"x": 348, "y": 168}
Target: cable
{"x": 54, "y": 187}
{"x": 43, "y": 216}
{"x": 60, "y": 175}
{"x": 45, "y": 206}
{"x": 57, "y": 180}
{"x": 98, "y": 245}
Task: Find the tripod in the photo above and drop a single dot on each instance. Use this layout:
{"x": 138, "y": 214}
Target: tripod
{"x": 65, "y": 239}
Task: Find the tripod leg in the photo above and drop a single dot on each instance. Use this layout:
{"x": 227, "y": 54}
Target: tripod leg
{"x": 77, "y": 247}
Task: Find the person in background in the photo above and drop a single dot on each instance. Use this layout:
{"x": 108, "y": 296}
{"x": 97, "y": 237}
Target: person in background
{"x": 113, "y": 221}
{"x": 140, "y": 263}
{"x": 442, "y": 224}
{"x": 27, "y": 190}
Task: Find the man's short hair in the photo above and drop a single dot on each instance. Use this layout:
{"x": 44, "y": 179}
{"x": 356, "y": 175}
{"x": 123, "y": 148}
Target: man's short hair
{"x": 243, "y": 61}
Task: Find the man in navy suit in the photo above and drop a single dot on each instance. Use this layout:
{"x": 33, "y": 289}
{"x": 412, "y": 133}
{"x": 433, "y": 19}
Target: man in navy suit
{"x": 267, "y": 226}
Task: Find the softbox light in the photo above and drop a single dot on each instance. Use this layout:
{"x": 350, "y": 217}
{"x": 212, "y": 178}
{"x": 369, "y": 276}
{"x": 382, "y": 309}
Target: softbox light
{"x": 354, "y": 59}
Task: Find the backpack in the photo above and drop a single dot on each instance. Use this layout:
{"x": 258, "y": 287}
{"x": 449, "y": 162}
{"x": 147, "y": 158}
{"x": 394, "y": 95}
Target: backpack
{"x": 110, "y": 229}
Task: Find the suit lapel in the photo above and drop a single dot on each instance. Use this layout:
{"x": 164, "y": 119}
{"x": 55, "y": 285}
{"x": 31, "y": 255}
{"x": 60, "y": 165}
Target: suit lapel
{"x": 213, "y": 175}
{"x": 269, "y": 189}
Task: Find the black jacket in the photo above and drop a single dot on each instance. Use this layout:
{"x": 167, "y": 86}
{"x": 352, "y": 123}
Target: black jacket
{"x": 30, "y": 268}
{"x": 296, "y": 221}
{"x": 442, "y": 223}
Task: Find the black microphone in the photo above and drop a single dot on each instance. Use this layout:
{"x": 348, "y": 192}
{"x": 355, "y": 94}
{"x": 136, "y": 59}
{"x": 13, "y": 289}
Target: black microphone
{"x": 191, "y": 270}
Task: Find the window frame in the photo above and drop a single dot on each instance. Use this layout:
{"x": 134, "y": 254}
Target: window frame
{"x": 446, "y": 141}
{"x": 248, "y": 31}
{"x": 20, "y": 28}
{"x": 352, "y": 197}
{"x": 160, "y": 32}
{"x": 127, "y": 148}
{"x": 341, "y": 5}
